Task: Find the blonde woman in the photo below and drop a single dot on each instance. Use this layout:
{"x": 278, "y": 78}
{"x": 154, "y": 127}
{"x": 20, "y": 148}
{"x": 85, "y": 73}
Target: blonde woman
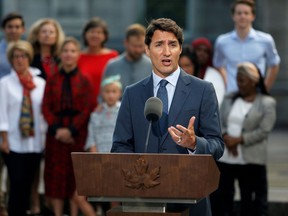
{"x": 66, "y": 107}
{"x": 46, "y": 36}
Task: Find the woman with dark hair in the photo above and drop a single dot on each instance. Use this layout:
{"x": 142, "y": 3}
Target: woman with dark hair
{"x": 187, "y": 60}
{"x": 248, "y": 116}
{"x": 94, "y": 58}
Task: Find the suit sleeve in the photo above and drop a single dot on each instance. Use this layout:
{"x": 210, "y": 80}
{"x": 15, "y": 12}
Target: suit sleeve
{"x": 210, "y": 141}
{"x": 123, "y": 139}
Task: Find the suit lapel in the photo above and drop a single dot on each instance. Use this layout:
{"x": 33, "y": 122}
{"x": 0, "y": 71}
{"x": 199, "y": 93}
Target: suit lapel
{"x": 147, "y": 89}
{"x": 179, "y": 98}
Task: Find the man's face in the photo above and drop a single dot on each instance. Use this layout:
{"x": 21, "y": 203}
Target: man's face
{"x": 243, "y": 16}
{"x": 164, "y": 51}
{"x": 135, "y": 47}
{"x": 13, "y": 30}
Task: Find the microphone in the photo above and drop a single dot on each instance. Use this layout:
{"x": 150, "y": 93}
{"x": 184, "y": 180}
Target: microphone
{"x": 153, "y": 112}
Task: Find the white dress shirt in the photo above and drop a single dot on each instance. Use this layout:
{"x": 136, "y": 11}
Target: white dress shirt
{"x": 171, "y": 85}
{"x": 11, "y": 95}
{"x": 236, "y": 118}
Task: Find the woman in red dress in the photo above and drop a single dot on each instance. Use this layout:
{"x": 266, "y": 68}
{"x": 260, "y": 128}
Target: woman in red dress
{"x": 94, "y": 58}
{"x": 66, "y": 107}
{"x": 46, "y": 36}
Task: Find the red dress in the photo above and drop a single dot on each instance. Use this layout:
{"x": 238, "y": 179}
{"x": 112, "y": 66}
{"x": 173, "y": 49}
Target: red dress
{"x": 93, "y": 65}
{"x": 67, "y": 103}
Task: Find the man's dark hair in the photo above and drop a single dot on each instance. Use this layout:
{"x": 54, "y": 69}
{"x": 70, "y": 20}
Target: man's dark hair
{"x": 11, "y": 16}
{"x": 163, "y": 24}
{"x": 249, "y": 3}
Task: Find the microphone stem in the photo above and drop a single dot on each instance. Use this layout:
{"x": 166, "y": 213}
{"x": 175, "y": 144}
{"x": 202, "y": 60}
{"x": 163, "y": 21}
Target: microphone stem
{"x": 148, "y": 135}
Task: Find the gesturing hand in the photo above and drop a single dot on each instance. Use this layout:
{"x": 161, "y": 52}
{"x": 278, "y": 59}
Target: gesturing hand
{"x": 184, "y": 137}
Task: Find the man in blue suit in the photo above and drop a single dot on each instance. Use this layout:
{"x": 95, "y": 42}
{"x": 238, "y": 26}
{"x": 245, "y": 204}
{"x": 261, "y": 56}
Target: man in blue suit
{"x": 193, "y": 117}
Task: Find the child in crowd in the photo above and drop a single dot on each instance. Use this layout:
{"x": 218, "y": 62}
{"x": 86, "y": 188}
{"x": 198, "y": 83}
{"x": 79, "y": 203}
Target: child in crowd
{"x": 102, "y": 122}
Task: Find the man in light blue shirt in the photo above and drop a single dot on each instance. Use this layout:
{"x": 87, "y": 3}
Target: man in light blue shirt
{"x": 13, "y": 28}
{"x": 245, "y": 44}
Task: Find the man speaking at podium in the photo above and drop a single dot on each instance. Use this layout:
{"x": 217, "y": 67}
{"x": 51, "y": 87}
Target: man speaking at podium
{"x": 190, "y": 118}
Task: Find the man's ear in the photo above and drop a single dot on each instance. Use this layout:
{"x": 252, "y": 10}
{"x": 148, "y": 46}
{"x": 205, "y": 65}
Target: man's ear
{"x": 254, "y": 18}
{"x": 147, "y": 50}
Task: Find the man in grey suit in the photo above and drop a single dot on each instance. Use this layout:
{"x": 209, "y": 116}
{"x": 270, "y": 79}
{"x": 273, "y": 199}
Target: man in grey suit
{"x": 193, "y": 116}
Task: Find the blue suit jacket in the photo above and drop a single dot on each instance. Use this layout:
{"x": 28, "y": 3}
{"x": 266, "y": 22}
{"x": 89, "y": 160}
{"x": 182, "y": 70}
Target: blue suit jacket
{"x": 192, "y": 97}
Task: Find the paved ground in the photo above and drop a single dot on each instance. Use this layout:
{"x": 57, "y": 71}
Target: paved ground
{"x": 277, "y": 166}
{"x": 277, "y": 174}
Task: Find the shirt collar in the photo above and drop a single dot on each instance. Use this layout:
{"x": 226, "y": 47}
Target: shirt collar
{"x": 172, "y": 78}
{"x": 33, "y": 71}
{"x": 251, "y": 34}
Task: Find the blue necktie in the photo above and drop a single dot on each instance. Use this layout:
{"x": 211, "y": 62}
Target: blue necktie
{"x": 162, "y": 94}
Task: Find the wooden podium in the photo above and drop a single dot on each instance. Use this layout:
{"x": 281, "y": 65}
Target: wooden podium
{"x": 144, "y": 178}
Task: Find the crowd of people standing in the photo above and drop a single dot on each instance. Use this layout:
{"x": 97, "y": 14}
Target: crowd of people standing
{"x": 57, "y": 98}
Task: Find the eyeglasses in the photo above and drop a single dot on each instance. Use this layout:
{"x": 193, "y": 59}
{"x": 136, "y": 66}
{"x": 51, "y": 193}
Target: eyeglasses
{"x": 23, "y": 56}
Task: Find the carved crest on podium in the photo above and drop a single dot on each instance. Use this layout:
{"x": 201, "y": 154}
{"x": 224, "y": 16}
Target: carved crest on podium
{"x": 141, "y": 177}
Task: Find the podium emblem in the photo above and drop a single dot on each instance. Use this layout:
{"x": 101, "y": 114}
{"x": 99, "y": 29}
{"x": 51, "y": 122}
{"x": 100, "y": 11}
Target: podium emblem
{"x": 141, "y": 177}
